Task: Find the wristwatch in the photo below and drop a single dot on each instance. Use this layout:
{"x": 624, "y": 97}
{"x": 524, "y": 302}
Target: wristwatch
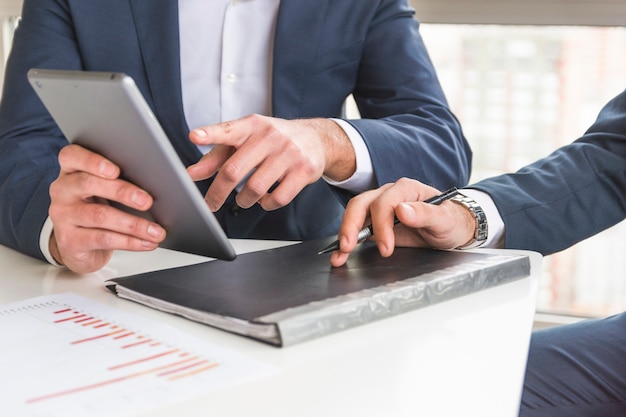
{"x": 481, "y": 231}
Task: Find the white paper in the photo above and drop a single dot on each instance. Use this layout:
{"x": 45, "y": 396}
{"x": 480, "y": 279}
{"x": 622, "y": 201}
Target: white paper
{"x": 65, "y": 355}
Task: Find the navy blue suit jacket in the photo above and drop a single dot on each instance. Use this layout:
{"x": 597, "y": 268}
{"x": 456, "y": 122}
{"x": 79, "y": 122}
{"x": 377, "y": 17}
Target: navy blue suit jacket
{"x": 574, "y": 193}
{"x": 324, "y": 51}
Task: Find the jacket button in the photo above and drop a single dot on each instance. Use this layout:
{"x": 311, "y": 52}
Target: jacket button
{"x": 234, "y": 210}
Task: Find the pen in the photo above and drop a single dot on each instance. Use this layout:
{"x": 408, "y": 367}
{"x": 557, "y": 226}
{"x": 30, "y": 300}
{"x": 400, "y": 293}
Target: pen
{"x": 367, "y": 231}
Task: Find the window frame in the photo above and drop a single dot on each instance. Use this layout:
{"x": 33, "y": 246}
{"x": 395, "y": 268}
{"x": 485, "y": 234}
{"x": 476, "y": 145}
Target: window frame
{"x": 526, "y": 12}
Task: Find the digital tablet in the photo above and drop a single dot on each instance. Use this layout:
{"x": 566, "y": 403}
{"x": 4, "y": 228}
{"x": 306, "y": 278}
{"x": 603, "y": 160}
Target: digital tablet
{"x": 106, "y": 113}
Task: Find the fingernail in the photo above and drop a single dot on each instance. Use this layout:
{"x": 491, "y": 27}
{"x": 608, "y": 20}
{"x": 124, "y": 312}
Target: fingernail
{"x": 155, "y": 231}
{"x": 408, "y": 210}
{"x": 107, "y": 169}
{"x": 140, "y": 198}
{"x": 200, "y": 133}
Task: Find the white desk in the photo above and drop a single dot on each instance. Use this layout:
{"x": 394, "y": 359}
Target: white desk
{"x": 464, "y": 357}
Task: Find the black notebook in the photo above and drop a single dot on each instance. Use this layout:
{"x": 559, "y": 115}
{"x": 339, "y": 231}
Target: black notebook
{"x": 291, "y": 294}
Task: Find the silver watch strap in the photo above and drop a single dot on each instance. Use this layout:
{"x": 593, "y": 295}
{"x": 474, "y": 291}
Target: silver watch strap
{"x": 481, "y": 230}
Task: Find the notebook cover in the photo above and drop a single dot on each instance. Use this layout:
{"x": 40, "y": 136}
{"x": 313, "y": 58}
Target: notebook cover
{"x": 273, "y": 283}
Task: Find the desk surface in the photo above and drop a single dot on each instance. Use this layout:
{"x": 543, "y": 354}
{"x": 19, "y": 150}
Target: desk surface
{"x": 461, "y": 357}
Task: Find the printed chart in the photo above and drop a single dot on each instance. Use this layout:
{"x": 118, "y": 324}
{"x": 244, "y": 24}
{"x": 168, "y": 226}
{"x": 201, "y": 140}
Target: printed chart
{"x": 65, "y": 355}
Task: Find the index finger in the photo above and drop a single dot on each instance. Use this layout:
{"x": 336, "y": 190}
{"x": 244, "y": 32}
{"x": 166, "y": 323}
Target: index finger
{"x": 232, "y": 133}
{"x": 357, "y": 212}
{"x": 75, "y": 158}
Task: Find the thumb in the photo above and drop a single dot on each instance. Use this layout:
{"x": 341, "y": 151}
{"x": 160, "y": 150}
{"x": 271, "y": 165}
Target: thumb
{"x": 426, "y": 224}
{"x": 410, "y": 214}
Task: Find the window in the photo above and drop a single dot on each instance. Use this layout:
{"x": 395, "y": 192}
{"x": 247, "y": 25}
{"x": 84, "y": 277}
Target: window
{"x": 522, "y": 88}
{"x": 9, "y": 10}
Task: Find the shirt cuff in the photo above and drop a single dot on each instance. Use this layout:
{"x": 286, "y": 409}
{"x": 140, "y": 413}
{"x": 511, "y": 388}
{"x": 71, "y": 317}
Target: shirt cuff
{"x": 363, "y": 177}
{"x": 44, "y": 242}
{"x": 495, "y": 235}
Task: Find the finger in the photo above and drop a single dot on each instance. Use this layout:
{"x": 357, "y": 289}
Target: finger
{"x": 234, "y": 171}
{"x": 271, "y": 187}
{"x": 409, "y": 232}
{"x": 408, "y": 190}
{"x": 232, "y": 132}
{"x": 85, "y": 233}
{"x": 105, "y": 218}
{"x": 414, "y": 214}
{"x": 284, "y": 193}
{"x": 384, "y": 209}
{"x": 355, "y": 216}
{"x": 382, "y": 216}
{"x": 81, "y": 186}
{"x": 101, "y": 239}
{"x": 81, "y": 262}
{"x": 108, "y": 218}
{"x": 92, "y": 240}
{"x": 221, "y": 187}
{"x": 430, "y": 225}
{"x": 258, "y": 186}
{"x": 338, "y": 258}
{"x": 209, "y": 164}
{"x": 249, "y": 143}
{"x": 90, "y": 249}
{"x": 75, "y": 158}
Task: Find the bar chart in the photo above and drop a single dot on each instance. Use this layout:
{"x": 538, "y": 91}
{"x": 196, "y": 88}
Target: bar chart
{"x": 66, "y": 355}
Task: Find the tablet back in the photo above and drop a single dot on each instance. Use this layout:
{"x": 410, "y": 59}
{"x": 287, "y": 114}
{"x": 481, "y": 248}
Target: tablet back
{"x": 106, "y": 113}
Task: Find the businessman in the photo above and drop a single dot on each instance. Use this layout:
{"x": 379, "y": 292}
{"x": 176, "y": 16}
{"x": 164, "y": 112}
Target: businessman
{"x": 574, "y": 193}
{"x": 250, "y": 94}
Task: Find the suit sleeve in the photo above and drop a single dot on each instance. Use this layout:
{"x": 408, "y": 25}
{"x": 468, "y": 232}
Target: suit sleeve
{"x": 29, "y": 138}
{"x": 406, "y": 122}
{"x": 577, "y": 191}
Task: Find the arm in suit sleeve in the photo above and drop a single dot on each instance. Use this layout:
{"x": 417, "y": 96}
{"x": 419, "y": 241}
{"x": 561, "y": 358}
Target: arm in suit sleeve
{"x": 29, "y": 138}
{"x": 406, "y": 122}
{"x": 574, "y": 193}
{"x": 324, "y": 51}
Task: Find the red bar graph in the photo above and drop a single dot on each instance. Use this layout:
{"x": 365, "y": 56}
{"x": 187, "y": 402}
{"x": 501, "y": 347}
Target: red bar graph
{"x": 114, "y": 333}
{"x": 73, "y": 353}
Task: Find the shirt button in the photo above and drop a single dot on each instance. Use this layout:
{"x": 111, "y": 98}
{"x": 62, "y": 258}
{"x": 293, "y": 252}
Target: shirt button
{"x": 234, "y": 210}
{"x": 231, "y": 78}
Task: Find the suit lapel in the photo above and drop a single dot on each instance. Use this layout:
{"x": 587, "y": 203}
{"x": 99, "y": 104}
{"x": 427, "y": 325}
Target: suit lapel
{"x": 157, "y": 30}
{"x": 295, "y": 47}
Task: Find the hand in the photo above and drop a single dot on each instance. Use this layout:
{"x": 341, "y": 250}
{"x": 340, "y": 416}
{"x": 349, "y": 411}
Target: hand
{"x": 86, "y": 228}
{"x": 443, "y": 226}
{"x": 289, "y": 153}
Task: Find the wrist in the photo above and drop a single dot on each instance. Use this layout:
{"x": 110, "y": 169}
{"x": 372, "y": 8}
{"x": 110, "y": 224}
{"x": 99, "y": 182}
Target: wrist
{"x": 340, "y": 155}
{"x": 478, "y": 229}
